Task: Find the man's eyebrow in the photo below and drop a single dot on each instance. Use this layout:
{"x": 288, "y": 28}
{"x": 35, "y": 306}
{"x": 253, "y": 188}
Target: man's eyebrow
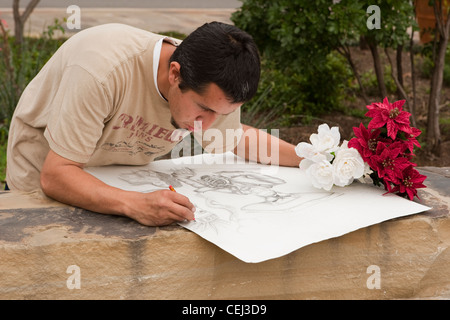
{"x": 206, "y": 108}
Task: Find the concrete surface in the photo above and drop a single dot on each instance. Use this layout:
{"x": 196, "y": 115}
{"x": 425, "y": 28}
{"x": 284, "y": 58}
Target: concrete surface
{"x": 184, "y": 20}
{"x": 48, "y": 248}
{"x": 130, "y": 3}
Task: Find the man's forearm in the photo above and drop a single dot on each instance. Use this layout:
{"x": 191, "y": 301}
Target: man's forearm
{"x": 67, "y": 182}
{"x": 70, "y": 184}
{"x": 257, "y": 145}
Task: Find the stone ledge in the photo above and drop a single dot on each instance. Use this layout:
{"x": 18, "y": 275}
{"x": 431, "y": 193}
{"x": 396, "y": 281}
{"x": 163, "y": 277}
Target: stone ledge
{"x": 121, "y": 259}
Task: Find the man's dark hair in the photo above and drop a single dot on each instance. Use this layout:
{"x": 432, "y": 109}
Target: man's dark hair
{"x": 222, "y": 54}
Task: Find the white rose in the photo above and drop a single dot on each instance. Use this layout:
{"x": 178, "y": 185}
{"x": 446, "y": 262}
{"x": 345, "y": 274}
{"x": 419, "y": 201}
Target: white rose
{"x": 323, "y": 143}
{"x": 321, "y": 174}
{"x": 366, "y": 175}
{"x": 308, "y": 151}
{"x": 305, "y": 164}
{"x": 326, "y": 139}
{"x": 348, "y": 165}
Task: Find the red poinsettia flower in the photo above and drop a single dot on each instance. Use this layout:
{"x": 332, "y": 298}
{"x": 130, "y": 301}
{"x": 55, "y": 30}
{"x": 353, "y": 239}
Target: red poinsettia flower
{"x": 366, "y": 142}
{"x": 412, "y": 141}
{"x": 387, "y": 147}
{"x": 391, "y": 115}
{"x": 410, "y": 180}
{"x": 389, "y": 162}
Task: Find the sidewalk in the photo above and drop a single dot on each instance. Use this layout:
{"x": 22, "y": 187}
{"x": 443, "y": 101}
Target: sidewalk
{"x": 156, "y": 20}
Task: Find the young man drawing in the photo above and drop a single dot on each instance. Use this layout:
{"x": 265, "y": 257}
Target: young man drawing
{"x": 114, "y": 94}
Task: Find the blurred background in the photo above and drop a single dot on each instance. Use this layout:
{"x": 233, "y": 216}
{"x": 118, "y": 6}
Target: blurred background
{"x": 322, "y": 61}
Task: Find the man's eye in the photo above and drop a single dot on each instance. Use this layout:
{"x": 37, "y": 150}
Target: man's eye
{"x": 208, "y": 110}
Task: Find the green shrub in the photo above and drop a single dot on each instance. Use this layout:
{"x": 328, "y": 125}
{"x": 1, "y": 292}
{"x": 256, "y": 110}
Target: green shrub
{"x": 20, "y": 64}
{"x": 426, "y": 65}
{"x": 286, "y": 95}
{"x": 301, "y": 74}
{"x": 299, "y": 38}
{"x": 369, "y": 80}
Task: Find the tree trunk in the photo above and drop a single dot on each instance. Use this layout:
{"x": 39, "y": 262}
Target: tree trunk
{"x": 378, "y": 68}
{"x": 363, "y": 43}
{"x": 20, "y": 19}
{"x": 437, "y": 78}
{"x": 401, "y": 90}
{"x": 399, "y": 69}
{"x": 433, "y": 131}
{"x": 400, "y": 63}
{"x": 18, "y": 25}
{"x": 345, "y": 52}
{"x": 413, "y": 79}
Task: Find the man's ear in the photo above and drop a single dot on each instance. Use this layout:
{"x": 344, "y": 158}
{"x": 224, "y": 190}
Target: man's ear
{"x": 174, "y": 73}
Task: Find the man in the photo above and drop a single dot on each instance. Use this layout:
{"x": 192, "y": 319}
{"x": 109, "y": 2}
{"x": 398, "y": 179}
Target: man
{"x": 114, "y": 94}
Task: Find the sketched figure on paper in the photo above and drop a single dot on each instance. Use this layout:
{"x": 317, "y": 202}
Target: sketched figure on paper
{"x": 234, "y": 182}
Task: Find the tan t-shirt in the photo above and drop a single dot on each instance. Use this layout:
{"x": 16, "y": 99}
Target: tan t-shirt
{"x": 96, "y": 102}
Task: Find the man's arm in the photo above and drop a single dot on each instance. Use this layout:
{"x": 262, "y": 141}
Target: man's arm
{"x": 66, "y": 181}
{"x": 257, "y": 145}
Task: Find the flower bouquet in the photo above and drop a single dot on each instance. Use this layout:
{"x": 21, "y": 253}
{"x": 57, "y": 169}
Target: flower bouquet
{"x": 380, "y": 154}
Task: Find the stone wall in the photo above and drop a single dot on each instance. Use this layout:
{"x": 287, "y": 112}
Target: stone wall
{"x": 53, "y": 251}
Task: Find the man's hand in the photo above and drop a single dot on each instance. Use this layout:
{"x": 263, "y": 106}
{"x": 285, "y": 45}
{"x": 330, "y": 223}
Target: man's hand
{"x": 66, "y": 181}
{"x": 161, "y": 207}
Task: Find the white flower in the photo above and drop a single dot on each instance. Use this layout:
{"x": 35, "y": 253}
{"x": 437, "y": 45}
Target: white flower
{"x": 320, "y": 173}
{"x": 366, "y": 176}
{"x": 326, "y": 163}
{"x": 305, "y": 164}
{"x": 348, "y": 165}
{"x": 308, "y": 151}
{"x": 326, "y": 139}
{"x": 323, "y": 143}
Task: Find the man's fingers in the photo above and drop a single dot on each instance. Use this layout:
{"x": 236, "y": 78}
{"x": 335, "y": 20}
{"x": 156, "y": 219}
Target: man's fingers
{"x": 181, "y": 207}
{"x": 181, "y": 213}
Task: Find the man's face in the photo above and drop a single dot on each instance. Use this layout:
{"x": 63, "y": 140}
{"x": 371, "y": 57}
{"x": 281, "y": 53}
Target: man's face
{"x": 189, "y": 106}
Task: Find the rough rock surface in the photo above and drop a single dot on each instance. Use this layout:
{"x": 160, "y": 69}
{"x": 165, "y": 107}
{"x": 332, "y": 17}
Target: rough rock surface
{"x": 117, "y": 258}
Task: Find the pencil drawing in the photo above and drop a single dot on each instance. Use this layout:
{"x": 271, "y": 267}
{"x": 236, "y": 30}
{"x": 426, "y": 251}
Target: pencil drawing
{"x": 250, "y": 192}
{"x": 147, "y": 176}
{"x": 258, "y": 214}
{"x": 242, "y": 183}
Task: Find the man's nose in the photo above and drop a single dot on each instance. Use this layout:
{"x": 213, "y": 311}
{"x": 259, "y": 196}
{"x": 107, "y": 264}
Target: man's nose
{"x": 207, "y": 119}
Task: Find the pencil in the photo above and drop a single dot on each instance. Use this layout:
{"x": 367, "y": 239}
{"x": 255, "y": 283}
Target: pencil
{"x": 173, "y": 189}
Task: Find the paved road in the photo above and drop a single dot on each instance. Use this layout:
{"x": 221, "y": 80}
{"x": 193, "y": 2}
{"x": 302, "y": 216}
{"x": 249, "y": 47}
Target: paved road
{"x": 130, "y": 3}
{"x": 153, "y": 15}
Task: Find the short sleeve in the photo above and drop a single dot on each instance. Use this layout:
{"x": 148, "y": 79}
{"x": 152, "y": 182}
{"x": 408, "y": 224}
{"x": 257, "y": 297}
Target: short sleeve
{"x": 78, "y": 114}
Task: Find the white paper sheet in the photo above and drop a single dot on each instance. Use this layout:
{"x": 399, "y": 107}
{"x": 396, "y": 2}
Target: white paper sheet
{"x": 258, "y": 212}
